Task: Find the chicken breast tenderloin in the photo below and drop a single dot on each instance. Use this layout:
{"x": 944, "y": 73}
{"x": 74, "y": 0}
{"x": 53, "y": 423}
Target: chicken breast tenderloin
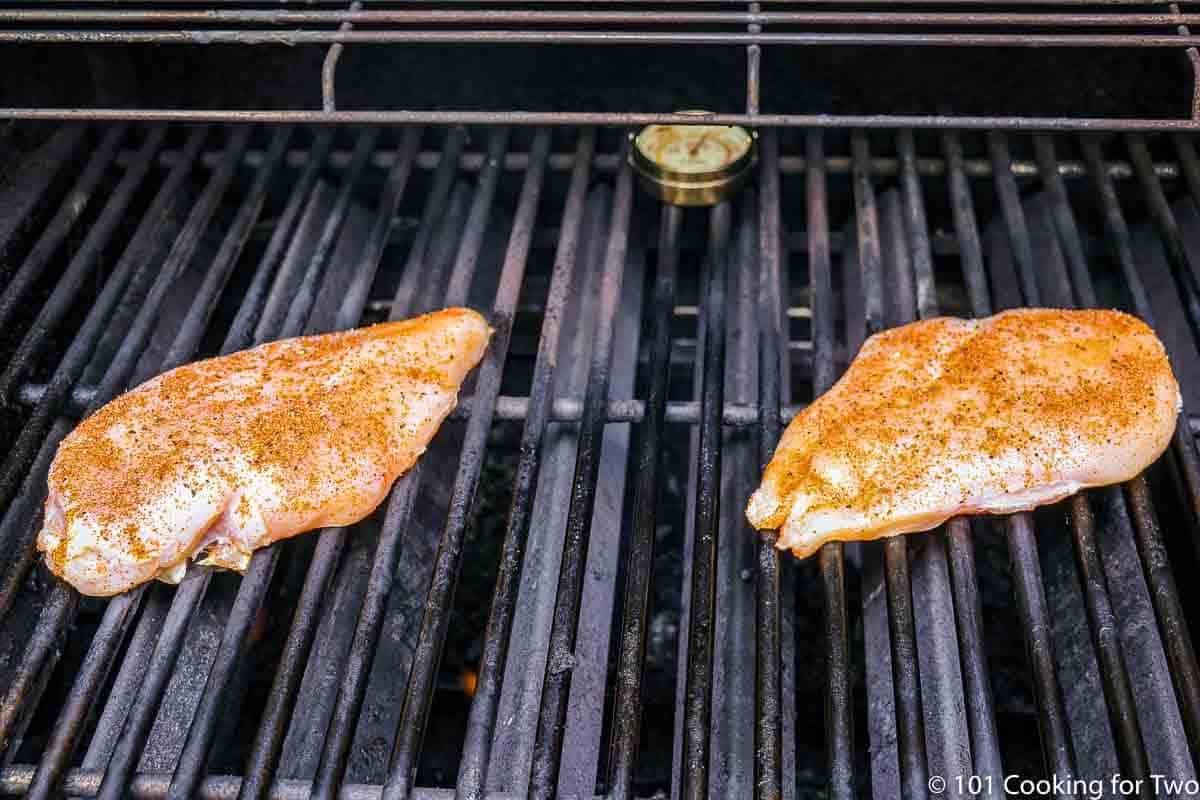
{"x": 224, "y": 456}
{"x": 949, "y": 416}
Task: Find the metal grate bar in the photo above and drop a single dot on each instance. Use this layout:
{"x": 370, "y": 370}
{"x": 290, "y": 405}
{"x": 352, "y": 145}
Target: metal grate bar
{"x": 1064, "y": 219}
{"x": 881, "y": 165}
{"x": 268, "y": 742}
{"x": 839, "y": 722}
{"x": 63, "y": 603}
{"x": 154, "y": 786}
{"x": 137, "y": 725}
{"x": 616, "y": 119}
{"x": 302, "y": 302}
{"x": 81, "y": 264}
{"x": 59, "y": 608}
{"x": 432, "y": 36}
{"x": 1185, "y": 272}
{"x": 332, "y": 765}
{"x": 55, "y": 232}
{"x": 1187, "y": 283}
{"x": 1131, "y": 750}
{"x": 1135, "y": 760}
{"x": 985, "y": 748}
{"x": 1154, "y": 557}
{"x": 563, "y": 409}
{"x": 478, "y": 741}
{"x": 697, "y": 698}
{"x": 272, "y": 19}
{"x": 769, "y": 607}
{"x": 901, "y": 623}
{"x": 1027, "y": 579}
{"x": 547, "y": 753}
{"x": 569, "y": 273}
{"x": 34, "y": 179}
{"x": 948, "y": 742}
{"x": 627, "y": 707}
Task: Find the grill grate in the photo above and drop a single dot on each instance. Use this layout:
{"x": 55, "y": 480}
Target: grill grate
{"x": 211, "y": 239}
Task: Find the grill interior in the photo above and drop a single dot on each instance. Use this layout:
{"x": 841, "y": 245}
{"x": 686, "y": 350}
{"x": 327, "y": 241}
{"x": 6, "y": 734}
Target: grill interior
{"x": 563, "y": 597}
{"x": 634, "y": 621}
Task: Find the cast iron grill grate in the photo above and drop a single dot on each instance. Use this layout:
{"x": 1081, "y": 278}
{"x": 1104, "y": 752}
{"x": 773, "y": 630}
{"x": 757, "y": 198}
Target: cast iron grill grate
{"x": 623, "y": 328}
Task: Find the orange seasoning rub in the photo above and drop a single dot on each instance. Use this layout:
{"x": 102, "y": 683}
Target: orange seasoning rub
{"x": 950, "y": 416}
{"x": 226, "y": 455}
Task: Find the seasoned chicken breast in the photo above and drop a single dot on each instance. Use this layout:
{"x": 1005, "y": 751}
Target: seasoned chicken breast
{"x": 221, "y": 457}
{"x": 950, "y": 416}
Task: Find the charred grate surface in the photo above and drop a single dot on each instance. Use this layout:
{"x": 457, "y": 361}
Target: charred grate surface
{"x": 563, "y": 598}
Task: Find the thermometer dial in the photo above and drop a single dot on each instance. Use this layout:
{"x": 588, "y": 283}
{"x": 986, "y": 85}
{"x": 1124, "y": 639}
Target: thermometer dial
{"x": 693, "y": 165}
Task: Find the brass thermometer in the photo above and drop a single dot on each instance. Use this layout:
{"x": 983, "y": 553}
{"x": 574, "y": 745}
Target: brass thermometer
{"x": 693, "y": 165}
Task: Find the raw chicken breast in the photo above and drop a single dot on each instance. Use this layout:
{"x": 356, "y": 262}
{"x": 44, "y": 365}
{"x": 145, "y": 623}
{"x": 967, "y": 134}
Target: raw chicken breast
{"x": 949, "y": 416}
{"x": 224, "y": 456}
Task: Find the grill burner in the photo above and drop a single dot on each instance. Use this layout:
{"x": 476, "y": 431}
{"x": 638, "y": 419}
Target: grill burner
{"x": 563, "y": 599}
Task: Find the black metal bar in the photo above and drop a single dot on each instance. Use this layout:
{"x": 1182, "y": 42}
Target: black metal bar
{"x": 125, "y": 360}
{"x": 1014, "y": 216}
{"x": 1118, "y": 695}
{"x": 910, "y": 733}
{"x": 473, "y": 161}
{"x": 31, "y": 180}
{"x": 302, "y": 302}
{"x": 627, "y": 713}
{"x": 372, "y": 254}
{"x": 1184, "y": 269}
{"x": 64, "y": 219}
{"x": 586, "y": 16}
{"x": 615, "y": 119}
{"x": 547, "y": 753}
{"x": 1114, "y": 676}
{"x": 698, "y": 690}
{"x": 1035, "y": 621}
{"x": 1155, "y": 562}
{"x": 1122, "y": 245}
{"x": 496, "y": 641}
{"x": 477, "y": 742}
{"x": 1172, "y": 620}
{"x": 283, "y": 247}
{"x": 985, "y": 749}
{"x": 188, "y": 598}
{"x": 948, "y": 742}
{"x": 1027, "y": 571}
{"x": 477, "y": 220}
{"x": 1064, "y": 219}
{"x": 576, "y": 37}
{"x": 839, "y": 712}
{"x": 154, "y": 786}
{"x": 137, "y": 725}
{"x": 80, "y": 266}
{"x": 768, "y": 732}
